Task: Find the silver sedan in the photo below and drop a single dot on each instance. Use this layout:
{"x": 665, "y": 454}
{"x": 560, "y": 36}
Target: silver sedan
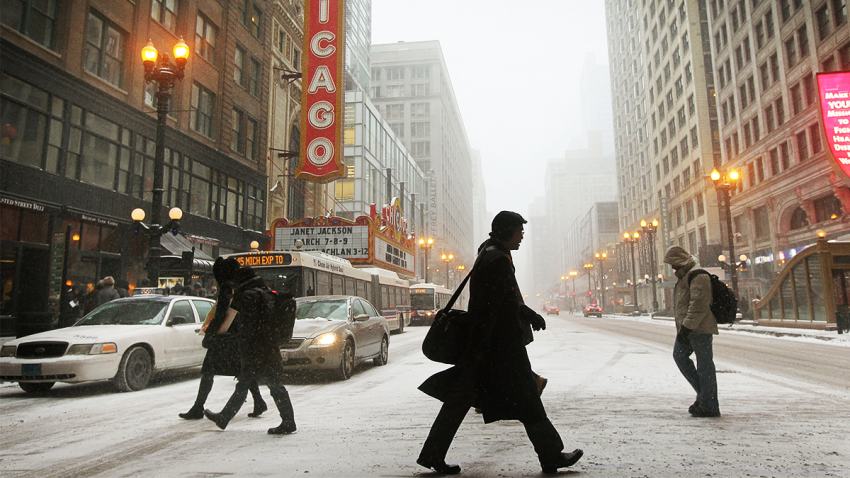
{"x": 335, "y": 332}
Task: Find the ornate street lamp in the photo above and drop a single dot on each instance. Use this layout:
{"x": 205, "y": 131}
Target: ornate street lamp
{"x": 734, "y": 265}
{"x": 573, "y": 275}
{"x": 447, "y": 258}
{"x": 649, "y": 228}
{"x": 425, "y": 245}
{"x": 587, "y": 268}
{"x": 631, "y": 240}
{"x": 160, "y": 70}
{"x": 601, "y": 256}
{"x": 725, "y": 182}
{"x": 155, "y": 231}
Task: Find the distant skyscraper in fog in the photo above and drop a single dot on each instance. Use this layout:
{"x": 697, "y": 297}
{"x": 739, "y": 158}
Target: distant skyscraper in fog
{"x": 596, "y": 112}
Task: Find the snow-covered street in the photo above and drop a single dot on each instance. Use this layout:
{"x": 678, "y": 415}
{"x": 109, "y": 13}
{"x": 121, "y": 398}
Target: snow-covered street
{"x": 615, "y": 394}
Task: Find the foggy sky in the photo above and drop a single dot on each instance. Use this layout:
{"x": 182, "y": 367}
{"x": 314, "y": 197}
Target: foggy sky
{"x": 515, "y": 68}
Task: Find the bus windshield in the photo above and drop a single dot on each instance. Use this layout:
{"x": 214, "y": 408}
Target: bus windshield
{"x": 282, "y": 279}
{"x": 422, "y": 301}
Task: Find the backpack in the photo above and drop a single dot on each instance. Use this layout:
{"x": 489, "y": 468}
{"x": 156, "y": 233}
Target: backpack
{"x": 281, "y": 314}
{"x": 724, "y": 304}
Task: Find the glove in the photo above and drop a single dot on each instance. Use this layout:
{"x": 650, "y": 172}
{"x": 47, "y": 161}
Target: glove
{"x": 537, "y": 322}
{"x": 682, "y": 336}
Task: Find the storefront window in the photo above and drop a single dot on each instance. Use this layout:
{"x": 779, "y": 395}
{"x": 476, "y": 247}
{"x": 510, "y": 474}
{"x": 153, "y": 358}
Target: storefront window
{"x": 90, "y": 237}
{"x": 34, "y": 225}
{"x": 10, "y": 223}
{"x": 111, "y": 239}
{"x": 8, "y": 259}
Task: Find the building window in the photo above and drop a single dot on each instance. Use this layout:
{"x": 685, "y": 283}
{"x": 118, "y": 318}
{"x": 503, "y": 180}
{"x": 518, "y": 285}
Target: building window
{"x": 700, "y": 205}
{"x": 785, "y": 155}
{"x": 203, "y": 101}
{"x": 839, "y": 12}
{"x": 165, "y": 12}
{"x": 827, "y": 208}
{"x": 791, "y": 51}
{"x": 803, "y": 41}
{"x": 779, "y": 106}
{"x": 762, "y": 222}
{"x": 422, "y": 89}
{"x": 420, "y": 149}
{"x": 396, "y": 73}
{"x": 239, "y": 66}
{"x": 421, "y": 71}
{"x": 420, "y": 129}
{"x": 802, "y": 146}
{"x": 824, "y": 25}
{"x": 376, "y": 74}
{"x": 34, "y": 18}
{"x": 814, "y": 132}
{"x": 256, "y": 23}
{"x": 237, "y": 140}
{"x": 25, "y": 122}
{"x": 251, "y": 139}
{"x": 799, "y": 219}
{"x": 420, "y": 110}
{"x": 104, "y": 55}
{"x": 254, "y": 77}
{"x": 205, "y": 34}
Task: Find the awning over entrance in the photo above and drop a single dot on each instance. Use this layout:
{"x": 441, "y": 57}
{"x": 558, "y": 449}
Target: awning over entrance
{"x": 177, "y": 244}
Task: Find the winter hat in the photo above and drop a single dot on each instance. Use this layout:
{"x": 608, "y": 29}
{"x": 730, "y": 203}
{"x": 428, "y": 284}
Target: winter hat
{"x": 197, "y": 285}
{"x": 243, "y": 274}
{"x": 225, "y": 269}
{"x": 504, "y": 224}
{"x": 108, "y": 280}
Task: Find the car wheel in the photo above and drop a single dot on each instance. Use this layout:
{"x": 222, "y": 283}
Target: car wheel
{"x": 135, "y": 370}
{"x": 401, "y": 323}
{"x": 385, "y": 352}
{"x": 36, "y": 387}
{"x": 346, "y": 361}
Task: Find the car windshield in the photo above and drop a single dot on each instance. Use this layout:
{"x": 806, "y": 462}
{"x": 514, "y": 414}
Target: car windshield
{"x": 141, "y": 312}
{"x": 326, "y": 309}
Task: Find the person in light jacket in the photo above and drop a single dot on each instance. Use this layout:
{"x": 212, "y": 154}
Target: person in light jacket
{"x": 696, "y": 327}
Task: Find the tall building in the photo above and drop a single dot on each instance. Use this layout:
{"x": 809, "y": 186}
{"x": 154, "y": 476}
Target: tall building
{"x": 79, "y": 135}
{"x": 481, "y": 218}
{"x": 412, "y": 88}
{"x": 665, "y": 119}
{"x": 596, "y": 114}
{"x": 358, "y": 41}
{"x": 767, "y": 55}
{"x": 573, "y": 184}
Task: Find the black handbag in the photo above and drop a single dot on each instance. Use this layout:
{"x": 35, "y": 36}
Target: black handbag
{"x": 449, "y": 333}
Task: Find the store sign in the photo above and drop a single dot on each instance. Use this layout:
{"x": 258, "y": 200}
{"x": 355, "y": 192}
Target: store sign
{"x": 323, "y": 91}
{"x": 834, "y": 90}
{"x": 57, "y": 263}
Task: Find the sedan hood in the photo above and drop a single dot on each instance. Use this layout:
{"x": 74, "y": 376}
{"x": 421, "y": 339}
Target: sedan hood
{"x": 85, "y": 334}
{"x": 313, "y": 327}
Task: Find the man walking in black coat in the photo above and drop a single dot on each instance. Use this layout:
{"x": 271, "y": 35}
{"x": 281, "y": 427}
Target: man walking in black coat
{"x": 259, "y": 350}
{"x": 494, "y": 372}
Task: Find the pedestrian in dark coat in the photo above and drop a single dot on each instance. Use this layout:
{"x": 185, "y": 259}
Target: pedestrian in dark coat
{"x": 108, "y": 292}
{"x": 122, "y": 286}
{"x": 494, "y": 372}
{"x": 259, "y": 350}
{"x": 91, "y": 298}
{"x": 222, "y": 356}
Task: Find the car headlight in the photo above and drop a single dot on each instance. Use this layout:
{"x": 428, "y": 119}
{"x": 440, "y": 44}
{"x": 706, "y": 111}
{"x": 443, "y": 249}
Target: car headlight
{"x": 8, "y": 350}
{"x": 92, "y": 349}
{"x": 325, "y": 339}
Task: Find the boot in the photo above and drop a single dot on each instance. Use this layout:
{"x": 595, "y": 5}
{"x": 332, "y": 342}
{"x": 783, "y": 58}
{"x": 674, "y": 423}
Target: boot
{"x": 194, "y": 413}
{"x": 231, "y": 408}
{"x": 259, "y": 408}
{"x": 563, "y": 460}
{"x": 284, "y": 408}
{"x": 439, "y": 466}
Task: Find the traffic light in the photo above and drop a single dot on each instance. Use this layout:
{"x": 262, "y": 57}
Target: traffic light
{"x": 590, "y": 292}
{"x": 574, "y": 293}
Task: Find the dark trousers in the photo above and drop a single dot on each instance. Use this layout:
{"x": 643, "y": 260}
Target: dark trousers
{"x": 703, "y": 376}
{"x": 278, "y": 392}
{"x": 546, "y": 440}
{"x": 206, "y": 385}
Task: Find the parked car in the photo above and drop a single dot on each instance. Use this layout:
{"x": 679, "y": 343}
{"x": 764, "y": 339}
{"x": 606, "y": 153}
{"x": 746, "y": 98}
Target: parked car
{"x": 126, "y": 340}
{"x": 593, "y": 309}
{"x": 553, "y": 310}
{"x": 335, "y": 332}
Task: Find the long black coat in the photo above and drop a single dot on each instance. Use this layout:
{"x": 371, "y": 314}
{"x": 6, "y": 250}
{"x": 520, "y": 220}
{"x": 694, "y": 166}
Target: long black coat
{"x": 495, "y": 357}
{"x": 222, "y": 356}
{"x": 259, "y": 345}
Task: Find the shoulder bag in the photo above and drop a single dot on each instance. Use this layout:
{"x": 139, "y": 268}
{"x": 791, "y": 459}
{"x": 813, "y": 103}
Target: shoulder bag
{"x": 449, "y": 333}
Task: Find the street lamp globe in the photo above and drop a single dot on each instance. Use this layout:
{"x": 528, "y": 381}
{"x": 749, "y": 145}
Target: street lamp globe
{"x": 181, "y": 53}
{"x": 643, "y": 223}
{"x": 149, "y": 54}
{"x": 421, "y": 242}
{"x": 175, "y": 213}
{"x": 821, "y": 233}
{"x": 721, "y": 258}
{"x": 646, "y": 276}
{"x": 626, "y": 236}
{"x": 742, "y": 258}
{"x": 655, "y": 223}
{"x": 715, "y": 175}
{"x": 636, "y": 235}
{"x": 255, "y": 245}
{"x": 138, "y": 214}
{"x": 733, "y": 175}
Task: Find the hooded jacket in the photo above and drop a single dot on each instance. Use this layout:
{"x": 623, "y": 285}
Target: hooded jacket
{"x": 691, "y": 304}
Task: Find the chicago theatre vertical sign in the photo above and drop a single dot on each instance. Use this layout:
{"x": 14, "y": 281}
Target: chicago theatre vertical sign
{"x": 323, "y": 96}
{"x": 834, "y": 90}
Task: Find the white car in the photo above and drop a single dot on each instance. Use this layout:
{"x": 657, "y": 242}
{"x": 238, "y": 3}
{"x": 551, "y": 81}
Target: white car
{"x": 125, "y": 340}
{"x": 334, "y": 333}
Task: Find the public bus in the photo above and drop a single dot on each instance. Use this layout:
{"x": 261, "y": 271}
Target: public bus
{"x": 426, "y": 300}
{"x": 307, "y": 273}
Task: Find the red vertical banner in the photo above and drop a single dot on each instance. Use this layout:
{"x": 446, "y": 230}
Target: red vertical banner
{"x": 323, "y": 91}
{"x": 834, "y": 91}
